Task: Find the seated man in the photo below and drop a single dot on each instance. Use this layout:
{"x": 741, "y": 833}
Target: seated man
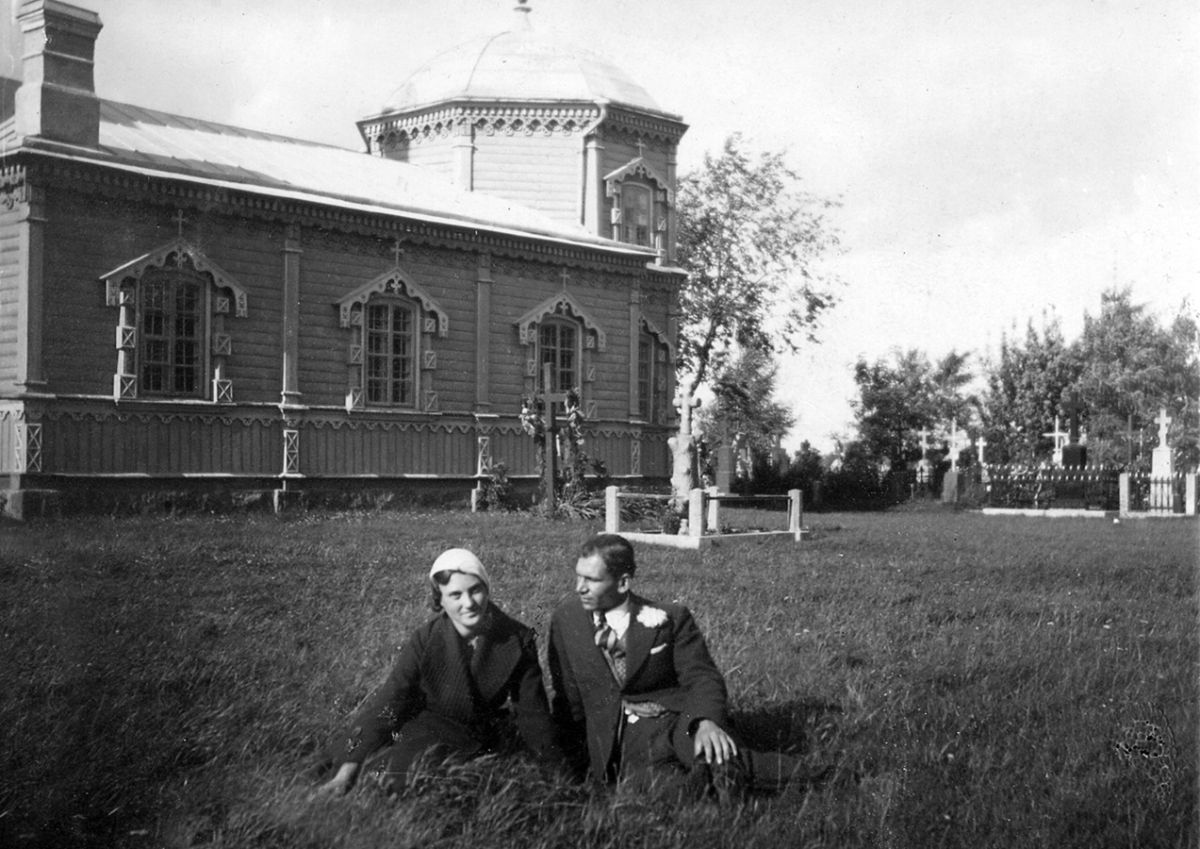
{"x": 635, "y": 680}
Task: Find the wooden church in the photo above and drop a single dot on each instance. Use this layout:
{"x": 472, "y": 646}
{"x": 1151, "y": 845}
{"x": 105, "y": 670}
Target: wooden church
{"x": 190, "y": 310}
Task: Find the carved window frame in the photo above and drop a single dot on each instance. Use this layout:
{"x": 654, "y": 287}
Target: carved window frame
{"x": 222, "y": 296}
{"x": 642, "y": 176}
{"x": 395, "y": 287}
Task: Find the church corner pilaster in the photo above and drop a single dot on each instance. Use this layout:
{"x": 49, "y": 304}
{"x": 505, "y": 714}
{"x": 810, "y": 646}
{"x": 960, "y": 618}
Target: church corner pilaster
{"x": 290, "y": 331}
{"x": 31, "y": 286}
{"x": 463, "y": 146}
{"x": 483, "y": 321}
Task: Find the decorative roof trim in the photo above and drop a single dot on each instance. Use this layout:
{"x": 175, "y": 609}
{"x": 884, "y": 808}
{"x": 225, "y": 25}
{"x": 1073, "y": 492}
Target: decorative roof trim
{"x": 396, "y": 280}
{"x": 265, "y": 202}
{"x": 561, "y": 304}
{"x": 450, "y": 114}
{"x": 653, "y": 330}
{"x": 666, "y": 128}
{"x": 639, "y": 167}
{"x": 160, "y": 258}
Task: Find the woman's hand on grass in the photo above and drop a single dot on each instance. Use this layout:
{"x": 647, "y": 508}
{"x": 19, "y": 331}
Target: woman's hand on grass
{"x": 341, "y": 783}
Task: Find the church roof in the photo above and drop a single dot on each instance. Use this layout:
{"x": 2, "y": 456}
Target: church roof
{"x": 157, "y": 143}
{"x": 520, "y": 65}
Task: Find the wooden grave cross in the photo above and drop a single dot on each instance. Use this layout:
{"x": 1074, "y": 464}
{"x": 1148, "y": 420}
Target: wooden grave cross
{"x": 549, "y": 468}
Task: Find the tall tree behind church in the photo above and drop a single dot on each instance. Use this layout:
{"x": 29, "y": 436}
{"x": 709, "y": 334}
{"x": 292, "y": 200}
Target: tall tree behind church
{"x": 1131, "y": 367}
{"x": 751, "y": 240}
{"x": 744, "y": 404}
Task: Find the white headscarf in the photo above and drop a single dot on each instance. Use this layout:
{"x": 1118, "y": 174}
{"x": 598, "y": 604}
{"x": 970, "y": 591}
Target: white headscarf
{"x": 460, "y": 560}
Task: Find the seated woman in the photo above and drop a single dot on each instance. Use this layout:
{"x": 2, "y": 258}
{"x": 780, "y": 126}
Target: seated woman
{"x": 452, "y": 684}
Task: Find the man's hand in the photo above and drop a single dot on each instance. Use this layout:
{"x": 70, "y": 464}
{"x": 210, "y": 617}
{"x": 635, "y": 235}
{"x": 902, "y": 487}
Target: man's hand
{"x": 713, "y": 744}
{"x": 340, "y": 783}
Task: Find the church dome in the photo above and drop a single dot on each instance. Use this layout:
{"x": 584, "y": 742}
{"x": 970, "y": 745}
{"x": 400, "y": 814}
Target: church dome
{"x": 519, "y": 65}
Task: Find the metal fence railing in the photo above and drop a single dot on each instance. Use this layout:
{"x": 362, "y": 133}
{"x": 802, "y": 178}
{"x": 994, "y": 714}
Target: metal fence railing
{"x": 1094, "y": 488}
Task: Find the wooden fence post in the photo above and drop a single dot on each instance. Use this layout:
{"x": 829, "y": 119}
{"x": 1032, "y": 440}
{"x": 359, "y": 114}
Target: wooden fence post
{"x": 696, "y": 513}
{"x": 795, "y": 508}
{"x": 714, "y": 519}
{"x": 612, "y": 511}
{"x": 1123, "y": 497}
{"x": 1189, "y": 494}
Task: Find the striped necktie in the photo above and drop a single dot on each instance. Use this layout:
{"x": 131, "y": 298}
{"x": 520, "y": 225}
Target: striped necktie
{"x": 610, "y": 644}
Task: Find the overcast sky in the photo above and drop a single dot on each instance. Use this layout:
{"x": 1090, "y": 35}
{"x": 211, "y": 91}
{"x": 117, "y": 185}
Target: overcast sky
{"x": 995, "y": 161}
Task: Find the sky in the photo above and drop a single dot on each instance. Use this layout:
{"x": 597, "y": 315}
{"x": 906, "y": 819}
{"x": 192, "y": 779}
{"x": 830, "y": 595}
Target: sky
{"x": 995, "y": 163}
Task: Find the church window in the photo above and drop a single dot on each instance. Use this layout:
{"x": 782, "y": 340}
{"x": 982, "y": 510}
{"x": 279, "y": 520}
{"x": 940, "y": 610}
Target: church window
{"x": 172, "y": 337}
{"x": 635, "y": 214}
{"x": 652, "y": 378}
{"x": 390, "y": 353}
{"x": 392, "y": 325}
{"x": 172, "y": 317}
{"x": 558, "y": 344}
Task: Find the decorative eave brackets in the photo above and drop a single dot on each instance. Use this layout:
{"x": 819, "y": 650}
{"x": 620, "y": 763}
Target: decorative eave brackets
{"x": 561, "y": 304}
{"x": 639, "y": 167}
{"x": 172, "y": 254}
{"x": 394, "y": 281}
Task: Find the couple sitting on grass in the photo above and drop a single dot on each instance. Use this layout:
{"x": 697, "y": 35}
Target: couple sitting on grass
{"x": 637, "y": 697}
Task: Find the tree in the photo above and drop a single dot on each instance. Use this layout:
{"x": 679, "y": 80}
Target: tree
{"x": 1131, "y": 367}
{"x": 1026, "y": 389}
{"x": 744, "y": 404}
{"x": 898, "y": 398}
{"x": 750, "y": 240}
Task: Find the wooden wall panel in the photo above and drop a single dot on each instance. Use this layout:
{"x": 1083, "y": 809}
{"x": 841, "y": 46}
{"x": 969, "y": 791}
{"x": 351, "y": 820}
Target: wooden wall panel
{"x": 544, "y": 173}
{"x": 153, "y": 445}
{"x": 387, "y": 450}
{"x": 87, "y": 239}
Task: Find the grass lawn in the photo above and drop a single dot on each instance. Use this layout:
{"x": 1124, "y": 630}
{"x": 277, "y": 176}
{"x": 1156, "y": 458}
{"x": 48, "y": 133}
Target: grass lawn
{"x": 978, "y": 681}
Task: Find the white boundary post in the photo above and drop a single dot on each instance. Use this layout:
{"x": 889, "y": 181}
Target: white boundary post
{"x": 696, "y": 513}
{"x": 795, "y": 508}
{"x": 1123, "y": 484}
{"x": 612, "y": 511}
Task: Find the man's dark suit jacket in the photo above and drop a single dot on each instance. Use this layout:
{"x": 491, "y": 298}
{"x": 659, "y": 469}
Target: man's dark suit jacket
{"x": 668, "y": 663}
{"x": 433, "y": 674}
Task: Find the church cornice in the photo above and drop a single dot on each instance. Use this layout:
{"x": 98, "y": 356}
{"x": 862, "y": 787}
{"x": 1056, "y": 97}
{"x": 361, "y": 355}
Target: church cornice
{"x": 439, "y": 121}
{"x": 180, "y": 192}
{"x": 643, "y": 125}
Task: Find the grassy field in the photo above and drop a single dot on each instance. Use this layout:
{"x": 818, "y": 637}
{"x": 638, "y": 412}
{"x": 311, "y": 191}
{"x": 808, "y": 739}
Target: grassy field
{"x": 977, "y": 681}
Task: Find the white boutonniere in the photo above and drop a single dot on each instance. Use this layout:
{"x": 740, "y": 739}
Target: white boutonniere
{"x": 652, "y": 617}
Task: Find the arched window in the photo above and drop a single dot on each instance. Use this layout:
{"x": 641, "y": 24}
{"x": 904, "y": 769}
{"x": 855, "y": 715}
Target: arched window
{"x": 392, "y": 324}
{"x": 390, "y": 352}
{"x": 172, "y": 340}
{"x": 172, "y": 324}
{"x": 652, "y": 365}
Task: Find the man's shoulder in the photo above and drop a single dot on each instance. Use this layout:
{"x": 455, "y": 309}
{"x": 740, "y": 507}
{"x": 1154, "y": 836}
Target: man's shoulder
{"x": 567, "y": 609}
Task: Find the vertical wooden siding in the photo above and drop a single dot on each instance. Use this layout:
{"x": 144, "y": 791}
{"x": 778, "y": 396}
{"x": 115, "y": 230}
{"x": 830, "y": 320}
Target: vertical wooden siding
{"x": 160, "y": 445}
